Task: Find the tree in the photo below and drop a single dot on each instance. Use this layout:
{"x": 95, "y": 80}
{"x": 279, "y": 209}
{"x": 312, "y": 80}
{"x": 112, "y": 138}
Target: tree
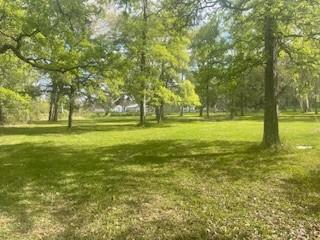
{"x": 13, "y": 105}
{"x": 33, "y": 30}
{"x": 188, "y": 96}
{"x": 268, "y": 27}
{"x": 209, "y": 53}
{"x": 18, "y": 85}
{"x": 155, "y": 50}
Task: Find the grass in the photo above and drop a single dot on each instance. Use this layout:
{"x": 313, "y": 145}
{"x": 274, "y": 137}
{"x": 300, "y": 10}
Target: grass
{"x": 188, "y": 178}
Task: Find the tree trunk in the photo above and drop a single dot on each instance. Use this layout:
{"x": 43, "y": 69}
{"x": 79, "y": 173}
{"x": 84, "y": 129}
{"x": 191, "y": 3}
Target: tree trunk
{"x": 181, "y": 111}
{"x": 56, "y": 109}
{"x": 2, "y": 117}
{"x": 162, "y": 111}
{"x": 232, "y": 110}
{"x": 307, "y": 109}
{"x": 242, "y": 104}
{"x": 301, "y": 104}
{"x": 50, "y": 109}
{"x": 271, "y": 122}
{"x": 158, "y": 114}
{"x": 71, "y": 108}
{"x": 201, "y": 111}
{"x": 54, "y": 104}
{"x": 143, "y": 62}
{"x": 52, "y": 97}
{"x": 142, "y": 113}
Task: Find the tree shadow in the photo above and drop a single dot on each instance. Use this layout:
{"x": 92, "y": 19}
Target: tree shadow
{"x": 75, "y": 186}
{"x": 304, "y": 191}
{"x": 130, "y": 123}
{"x": 81, "y": 127}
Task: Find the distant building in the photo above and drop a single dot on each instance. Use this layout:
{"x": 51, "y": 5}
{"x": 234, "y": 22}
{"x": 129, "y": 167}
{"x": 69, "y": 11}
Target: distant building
{"x": 132, "y": 108}
{"x": 99, "y": 110}
{"x": 117, "y": 109}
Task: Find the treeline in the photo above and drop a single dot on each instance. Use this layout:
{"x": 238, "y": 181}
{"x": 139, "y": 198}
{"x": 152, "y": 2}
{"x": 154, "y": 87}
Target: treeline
{"x": 223, "y": 55}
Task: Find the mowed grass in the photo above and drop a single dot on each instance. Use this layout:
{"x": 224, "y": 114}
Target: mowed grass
{"x": 188, "y": 178}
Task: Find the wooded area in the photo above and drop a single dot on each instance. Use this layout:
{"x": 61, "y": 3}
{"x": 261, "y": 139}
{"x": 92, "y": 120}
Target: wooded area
{"x": 226, "y": 76}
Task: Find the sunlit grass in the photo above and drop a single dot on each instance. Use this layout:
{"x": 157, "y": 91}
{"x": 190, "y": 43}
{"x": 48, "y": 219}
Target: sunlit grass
{"x": 189, "y": 178}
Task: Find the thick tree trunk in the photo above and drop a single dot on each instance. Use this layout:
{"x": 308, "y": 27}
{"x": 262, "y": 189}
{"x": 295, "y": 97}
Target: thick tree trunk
{"x": 56, "y": 110}
{"x": 54, "y": 104}
{"x": 316, "y": 105}
{"x": 271, "y": 122}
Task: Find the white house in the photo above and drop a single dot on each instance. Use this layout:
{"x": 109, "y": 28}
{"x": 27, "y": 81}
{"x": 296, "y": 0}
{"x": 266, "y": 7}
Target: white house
{"x": 118, "y": 109}
{"x": 132, "y": 108}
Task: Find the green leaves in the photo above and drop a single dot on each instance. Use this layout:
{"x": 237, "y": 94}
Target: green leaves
{"x": 188, "y": 96}
{"x": 13, "y": 106}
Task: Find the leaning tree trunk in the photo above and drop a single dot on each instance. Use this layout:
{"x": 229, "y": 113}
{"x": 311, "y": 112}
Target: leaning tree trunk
{"x": 271, "y": 122}
{"x": 71, "y": 107}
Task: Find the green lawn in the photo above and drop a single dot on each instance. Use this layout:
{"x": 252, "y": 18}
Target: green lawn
{"x": 185, "y": 179}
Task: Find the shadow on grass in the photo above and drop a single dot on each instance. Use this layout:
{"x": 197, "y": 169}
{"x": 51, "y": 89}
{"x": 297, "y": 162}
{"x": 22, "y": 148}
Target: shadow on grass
{"x": 80, "y": 127}
{"x": 130, "y": 123}
{"x": 304, "y": 190}
{"x": 75, "y": 186}
{"x": 222, "y": 117}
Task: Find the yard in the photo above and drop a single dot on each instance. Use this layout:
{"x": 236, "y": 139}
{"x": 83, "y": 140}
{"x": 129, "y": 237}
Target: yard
{"x": 187, "y": 178}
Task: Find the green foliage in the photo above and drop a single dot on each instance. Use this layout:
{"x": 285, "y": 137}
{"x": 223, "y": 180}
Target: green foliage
{"x": 39, "y": 32}
{"x": 14, "y": 107}
{"x": 187, "y": 94}
{"x": 164, "y": 95}
{"x": 156, "y": 52}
